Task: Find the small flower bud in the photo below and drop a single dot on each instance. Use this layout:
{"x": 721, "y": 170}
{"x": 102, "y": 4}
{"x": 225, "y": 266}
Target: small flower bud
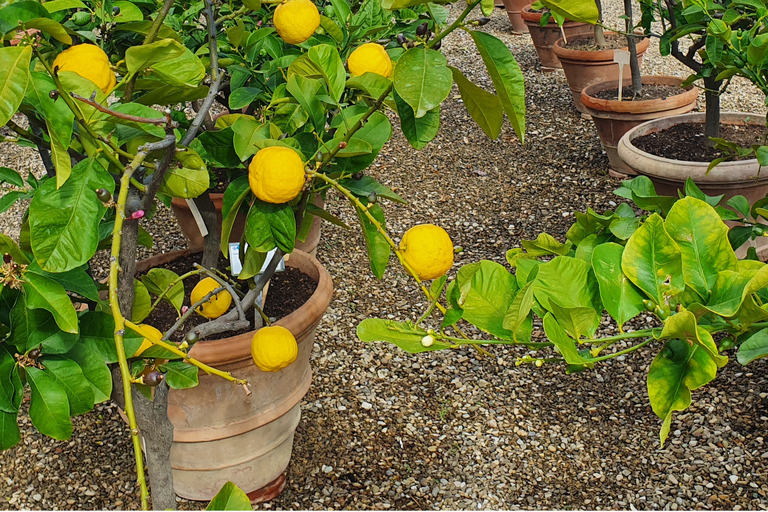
{"x": 54, "y": 94}
{"x": 342, "y": 145}
{"x": 138, "y": 214}
{"x": 7, "y": 258}
{"x": 428, "y": 340}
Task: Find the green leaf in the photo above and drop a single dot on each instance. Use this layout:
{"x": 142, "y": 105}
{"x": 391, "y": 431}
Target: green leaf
{"x": 180, "y": 375}
{"x": 683, "y": 325}
{"x": 422, "y": 79}
{"x": 620, "y": 297}
{"x": 332, "y": 29}
{"x": 506, "y": 76}
{"x": 584, "y": 11}
{"x": 186, "y": 182}
{"x": 564, "y": 344}
{"x": 142, "y": 302}
{"x": 322, "y": 61}
{"x": 367, "y": 184}
{"x": 10, "y": 176}
{"x": 373, "y": 84}
{"x": 377, "y": 246}
{"x": 10, "y": 388}
{"x": 487, "y": 7}
{"x": 64, "y": 222}
{"x": 230, "y": 497}
{"x": 307, "y": 92}
{"x": 9, "y": 246}
{"x": 519, "y": 310}
{"x": 11, "y": 15}
{"x": 487, "y": 290}
{"x": 703, "y": 241}
{"x": 242, "y": 97}
{"x": 754, "y": 347}
{"x": 545, "y": 245}
{"x": 234, "y": 196}
{"x": 14, "y": 77}
{"x": 270, "y": 225}
{"x": 653, "y": 262}
{"x": 44, "y": 293}
{"x": 61, "y": 5}
{"x": 49, "y": 408}
{"x": 58, "y": 117}
{"x": 419, "y": 131}
{"x": 570, "y": 283}
{"x": 676, "y": 371}
{"x": 138, "y": 58}
{"x": 485, "y": 108}
{"x": 143, "y": 28}
{"x": 247, "y": 131}
{"x": 97, "y": 331}
{"x": 157, "y": 280}
{"x": 405, "y": 336}
{"x": 128, "y": 12}
{"x": 69, "y": 377}
{"x": 10, "y": 435}
{"x": 48, "y": 26}
{"x": 33, "y": 328}
{"x": 94, "y": 368}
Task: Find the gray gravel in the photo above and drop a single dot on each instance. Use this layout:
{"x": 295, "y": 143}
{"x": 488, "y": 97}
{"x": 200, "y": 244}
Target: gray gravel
{"x": 382, "y": 429}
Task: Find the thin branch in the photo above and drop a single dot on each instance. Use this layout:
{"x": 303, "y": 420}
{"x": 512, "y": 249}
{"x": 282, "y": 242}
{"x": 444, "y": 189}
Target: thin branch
{"x": 166, "y": 121}
{"x": 225, "y": 284}
{"x": 208, "y": 296}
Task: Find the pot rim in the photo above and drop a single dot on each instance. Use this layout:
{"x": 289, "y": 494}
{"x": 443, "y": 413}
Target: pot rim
{"x": 739, "y": 171}
{"x": 534, "y": 18}
{"x": 234, "y": 349}
{"x": 594, "y": 55}
{"x": 688, "y": 96}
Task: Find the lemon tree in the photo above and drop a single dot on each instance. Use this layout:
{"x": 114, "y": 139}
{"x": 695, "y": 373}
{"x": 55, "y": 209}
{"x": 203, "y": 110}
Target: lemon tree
{"x": 106, "y": 87}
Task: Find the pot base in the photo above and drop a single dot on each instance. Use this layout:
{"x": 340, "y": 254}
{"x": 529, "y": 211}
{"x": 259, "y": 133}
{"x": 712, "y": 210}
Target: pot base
{"x": 269, "y": 492}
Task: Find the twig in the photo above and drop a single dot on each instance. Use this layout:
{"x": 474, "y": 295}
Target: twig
{"x": 191, "y": 310}
{"x": 166, "y": 121}
{"x": 227, "y": 286}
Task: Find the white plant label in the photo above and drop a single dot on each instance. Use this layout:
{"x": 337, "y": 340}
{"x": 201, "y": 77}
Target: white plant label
{"x": 621, "y": 57}
{"x": 237, "y": 265}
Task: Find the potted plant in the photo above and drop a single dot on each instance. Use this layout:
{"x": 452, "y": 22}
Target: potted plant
{"x": 546, "y": 28}
{"x": 674, "y": 262}
{"x": 514, "y": 10}
{"x": 722, "y": 46}
{"x": 588, "y": 59}
{"x": 320, "y": 127}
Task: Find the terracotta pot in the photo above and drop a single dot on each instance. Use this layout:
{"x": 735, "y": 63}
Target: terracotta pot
{"x": 583, "y": 67}
{"x": 544, "y": 38}
{"x": 220, "y": 433}
{"x": 514, "y": 8}
{"x": 195, "y": 239}
{"x": 498, "y": 3}
{"x": 668, "y": 176}
{"x": 614, "y": 118}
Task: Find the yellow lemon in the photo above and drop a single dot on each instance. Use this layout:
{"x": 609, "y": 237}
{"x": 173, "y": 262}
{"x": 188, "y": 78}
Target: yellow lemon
{"x": 428, "y": 250}
{"x": 370, "y": 57}
{"x": 90, "y": 62}
{"x": 146, "y": 343}
{"x": 216, "y": 305}
{"x": 273, "y": 348}
{"x": 276, "y": 174}
{"x": 296, "y": 20}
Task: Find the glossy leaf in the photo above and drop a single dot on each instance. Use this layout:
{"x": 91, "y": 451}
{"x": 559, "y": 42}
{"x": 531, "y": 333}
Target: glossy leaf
{"x": 620, "y": 297}
{"x": 94, "y": 368}
{"x": 487, "y": 290}
{"x": 230, "y": 497}
{"x": 36, "y": 328}
{"x": 234, "y": 196}
{"x": 570, "y": 283}
{"x": 270, "y": 225}
{"x": 64, "y": 222}
{"x": 9, "y": 390}
{"x": 401, "y": 334}
{"x": 322, "y": 61}
{"x": 676, "y": 371}
{"x": 584, "y": 11}
{"x": 419, "y": 131}
{"x": 506, "y": 76}
{"x": 683, "y": 325}
{"x": 377, "y": 246}
{"x": 138, "y": 58}
{"x": 565, "y": 345}
{"x": 10, "y": 435}
{"x": 14, "y": 78}
{"x": 69, "y": 377}
{"x": 142, "y": 302}
{"x": 44, "y": 293}
{"x": 49, "y": 408}
{"x": 180, "y": 375}
{"x": 422, "y": 79}
{"x": 653, "y": 262}
{"x": 484, "y": 107}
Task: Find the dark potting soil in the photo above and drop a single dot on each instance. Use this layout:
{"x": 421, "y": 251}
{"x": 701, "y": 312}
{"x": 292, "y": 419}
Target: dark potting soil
{"x": 287, "y": 291}
{"x": 220, "y": 179}
{"x": 613, "y": 42}
{"x": 687, "y": 142}
{"x": 649, "y": 92}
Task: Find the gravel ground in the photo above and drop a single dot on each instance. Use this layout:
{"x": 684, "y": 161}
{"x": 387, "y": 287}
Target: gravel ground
{"x": 382, "y": 429}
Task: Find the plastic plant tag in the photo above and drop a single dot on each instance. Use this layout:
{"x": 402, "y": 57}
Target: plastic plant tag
{"x": 237, "y": 265}
{"x": 198, "y": 218}
{"x": 621, "y": 57}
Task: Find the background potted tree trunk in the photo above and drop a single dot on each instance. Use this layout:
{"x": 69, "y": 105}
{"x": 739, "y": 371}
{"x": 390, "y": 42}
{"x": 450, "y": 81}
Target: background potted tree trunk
{"x": 544, "y": 36}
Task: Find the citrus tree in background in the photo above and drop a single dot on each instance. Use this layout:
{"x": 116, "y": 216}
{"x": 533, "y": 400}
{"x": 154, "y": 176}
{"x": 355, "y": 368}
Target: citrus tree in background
{"x": 101, "y": 89}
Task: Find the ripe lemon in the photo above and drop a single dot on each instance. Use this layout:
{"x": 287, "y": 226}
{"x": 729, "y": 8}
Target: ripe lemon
{"x": 428, "y": 250}
{"x": 146, "y": 343}
{"x": 216, "y": 305}
{"x": 90, "y": 62}
{"x": 296, "y": 20}
{"x": 370, "y": 57}
{"x": 273, "y": 348}
{"x": 276, "y": 174}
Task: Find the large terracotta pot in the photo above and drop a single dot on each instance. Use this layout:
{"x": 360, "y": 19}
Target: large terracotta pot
{"x": 514, "y": 8}
{"x": 614, "y": 118}
{"x": 220, "y": 433}
{"x": 544, "y": 38}
{"x": 668, "y": 176}
{"x": 195, "y": 240}
{"x": 583, "y": 67}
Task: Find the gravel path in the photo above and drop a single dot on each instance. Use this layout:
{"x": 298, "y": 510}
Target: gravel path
{"x": 381, "y": 429}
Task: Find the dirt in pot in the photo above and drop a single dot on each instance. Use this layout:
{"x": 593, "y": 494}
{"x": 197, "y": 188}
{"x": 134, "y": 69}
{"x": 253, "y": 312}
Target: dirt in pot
{"x": 613, "y": 42}
{"x": 287, "y": 291}
{"x": 687, "y": 142}
{"x": 220, "y": 178}
{"x": 649, "y": 92}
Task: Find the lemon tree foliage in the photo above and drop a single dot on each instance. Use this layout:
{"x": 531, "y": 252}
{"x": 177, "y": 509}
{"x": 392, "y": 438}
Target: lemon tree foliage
{"x": 670, "y": 257}
{"x": 105, "y": 88}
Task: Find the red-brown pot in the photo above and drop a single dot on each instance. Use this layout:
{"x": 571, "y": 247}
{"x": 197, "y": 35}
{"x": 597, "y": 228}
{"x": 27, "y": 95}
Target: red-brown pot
{"x": 544, "y": 38}
{"x": 222, "y": 434}
{"x": 514, "y": 8}
{"x": 614, "y": 118}
{"x": 584, "y": 67}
